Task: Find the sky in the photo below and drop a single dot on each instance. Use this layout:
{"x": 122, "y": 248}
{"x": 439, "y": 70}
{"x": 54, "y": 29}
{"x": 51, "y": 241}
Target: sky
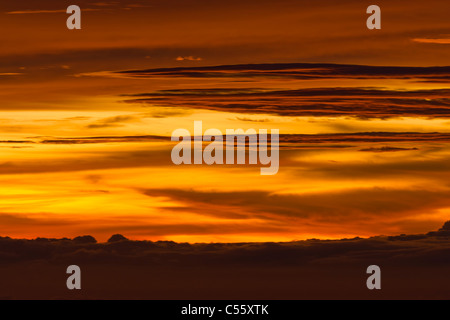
{"x": 86, "y": 117}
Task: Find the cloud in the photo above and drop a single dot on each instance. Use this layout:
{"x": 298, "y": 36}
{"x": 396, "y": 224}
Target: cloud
{"x": 16, "y": 219}
{"x": 290, "y": 140}
{"x": 424, "y": 249}
{"x": 431, "y": 40}
{"x": 112, "y": 122}
{"x": 423, "y": 166}
{"x": 365, "y": 103}
{"x": 88, "y": 139}
{"x": 16, "y": 141}
{"x": 303, "y": 71}
{"x": 360, "y": 137}
{"x": 234, "y": 269}
{"x": 161, "y": 113}
{"x": 99, "y": 161}
{"x": 35, "y": 11}
{"x": 387, "y": 149}
{"x": 188, "y": 58}
{"x": 245, "y": 119}
{"x": 47, "y": 11}
{"x": 363, "y": 208}
{"x": 103, "y": 139}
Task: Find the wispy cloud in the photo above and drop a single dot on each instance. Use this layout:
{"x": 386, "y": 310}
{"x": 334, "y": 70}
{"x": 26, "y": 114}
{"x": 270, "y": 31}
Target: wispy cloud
{"x": 362, "y": 103}
{"x": 47, "y": 11}
{"x": 291, "y": 139}
{"x": 104, "y": 139}
{"x": 112, "y": 122}
{"x": 387, "y": 149}
{"x": 433, "y": 40}
{"x": 304, "y": 71}
{"x": 188, "y": 58}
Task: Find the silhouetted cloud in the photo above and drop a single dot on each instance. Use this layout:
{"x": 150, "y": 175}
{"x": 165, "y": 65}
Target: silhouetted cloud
{"x": 366, "y": 137}
{"x": 305, "y": 71}
{"x": 363, "y": 103}
{"x": 117, "y": 238}
{"x": 85, "y": 239}
{"x": 418, "y": 248}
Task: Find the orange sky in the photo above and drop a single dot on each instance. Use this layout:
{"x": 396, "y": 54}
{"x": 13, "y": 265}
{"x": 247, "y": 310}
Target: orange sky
{"x": 85, "y": 116}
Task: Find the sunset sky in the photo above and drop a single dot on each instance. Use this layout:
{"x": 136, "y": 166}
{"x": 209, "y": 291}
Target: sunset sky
{"x": 86, "y": 118}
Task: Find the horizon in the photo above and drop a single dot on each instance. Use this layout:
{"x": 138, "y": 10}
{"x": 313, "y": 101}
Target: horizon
{"x": 85, "y": 239}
